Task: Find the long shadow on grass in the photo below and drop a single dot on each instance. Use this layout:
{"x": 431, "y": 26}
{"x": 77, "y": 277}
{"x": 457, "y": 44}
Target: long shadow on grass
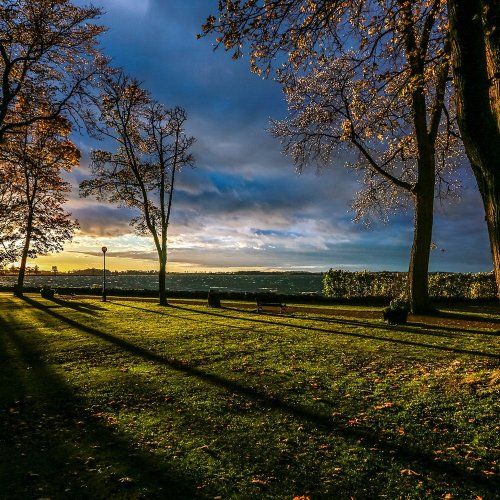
{"x": 55, "y": 447}
{"x": 78, "y": 306}
{"x": 411, "y": 327}
{"x": 356, "y": 323}
{"x": 466, "y": 317}
{"x": 405, "y": 451}
{"x": 338, "y": 332}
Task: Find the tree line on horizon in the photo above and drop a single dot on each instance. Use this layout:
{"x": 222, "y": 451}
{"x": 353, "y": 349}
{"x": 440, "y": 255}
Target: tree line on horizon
{"x": 403, "y": 89}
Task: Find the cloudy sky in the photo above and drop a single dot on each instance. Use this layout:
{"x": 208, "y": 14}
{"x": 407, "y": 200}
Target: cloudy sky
{"x": 243, "y": 206}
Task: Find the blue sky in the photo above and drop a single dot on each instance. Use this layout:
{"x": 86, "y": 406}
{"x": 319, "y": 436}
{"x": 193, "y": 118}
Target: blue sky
{"x": 243, "y": 205}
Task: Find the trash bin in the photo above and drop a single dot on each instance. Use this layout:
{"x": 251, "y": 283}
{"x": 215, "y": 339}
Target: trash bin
{"x": 213, "y": 298}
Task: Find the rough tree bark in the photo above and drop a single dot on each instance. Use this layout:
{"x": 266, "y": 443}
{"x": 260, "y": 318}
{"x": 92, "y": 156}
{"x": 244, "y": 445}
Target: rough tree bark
{"x": 475, "y": 40}
{"x": 417, "y": 285}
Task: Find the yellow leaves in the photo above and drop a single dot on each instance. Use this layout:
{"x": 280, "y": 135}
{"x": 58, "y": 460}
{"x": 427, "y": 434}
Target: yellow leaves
{"x": 494, "y": 378}
{"x": 346, "y": 127}
{"x": 125, "y": 480}
{"x": 258, "y": 482}
{"x": 383, "y": 406}
{"x": 409, "y": 472}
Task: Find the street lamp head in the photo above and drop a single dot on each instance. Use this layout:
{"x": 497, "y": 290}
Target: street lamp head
{"x": 104, "y": 249}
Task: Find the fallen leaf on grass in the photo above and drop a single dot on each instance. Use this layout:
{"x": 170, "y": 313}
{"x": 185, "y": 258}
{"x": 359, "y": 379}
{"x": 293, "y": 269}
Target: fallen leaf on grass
{"x": 259, "y": 482}
{"x": 382, "y": 406}
{"x": 125, "y": 480}
{"x": 409, "y": 472}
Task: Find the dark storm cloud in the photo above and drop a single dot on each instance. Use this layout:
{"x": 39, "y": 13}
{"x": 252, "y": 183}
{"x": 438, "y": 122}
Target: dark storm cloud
{"x": 137, "y": 255}
{"x": 102, "y": 220}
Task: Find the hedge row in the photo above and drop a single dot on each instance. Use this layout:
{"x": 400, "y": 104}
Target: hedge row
{"x": 347, "y": 285}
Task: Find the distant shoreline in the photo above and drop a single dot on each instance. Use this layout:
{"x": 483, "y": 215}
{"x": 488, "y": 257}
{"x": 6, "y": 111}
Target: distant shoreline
{"x": 98, "y": 272}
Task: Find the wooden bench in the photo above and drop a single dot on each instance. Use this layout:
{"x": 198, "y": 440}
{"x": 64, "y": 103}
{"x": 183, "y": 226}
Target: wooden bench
{"x": 270, "y": 302}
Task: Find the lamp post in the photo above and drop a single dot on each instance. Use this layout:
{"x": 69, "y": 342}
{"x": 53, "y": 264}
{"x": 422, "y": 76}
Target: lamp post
{"x": 104, "y": 250}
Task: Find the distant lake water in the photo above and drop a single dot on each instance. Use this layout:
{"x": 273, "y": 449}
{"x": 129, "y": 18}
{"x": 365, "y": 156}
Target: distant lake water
{"x": 290, "y": 284}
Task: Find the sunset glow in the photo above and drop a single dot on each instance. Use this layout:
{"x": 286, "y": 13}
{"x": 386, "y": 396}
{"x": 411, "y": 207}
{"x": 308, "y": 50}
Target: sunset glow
{"x": 243, "y": 206}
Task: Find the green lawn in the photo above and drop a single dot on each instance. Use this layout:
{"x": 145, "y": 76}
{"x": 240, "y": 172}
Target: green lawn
{"x": 130, "y": 400}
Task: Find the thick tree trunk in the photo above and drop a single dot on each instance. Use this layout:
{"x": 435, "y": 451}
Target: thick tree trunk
{"x": 162, "y": 275}
{"x": 475, "y": 41}
{"x": 489, "y": 187}
{"x": 418, "y": 287}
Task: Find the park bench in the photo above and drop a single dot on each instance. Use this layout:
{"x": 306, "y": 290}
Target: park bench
{"x": 270, "y": 301}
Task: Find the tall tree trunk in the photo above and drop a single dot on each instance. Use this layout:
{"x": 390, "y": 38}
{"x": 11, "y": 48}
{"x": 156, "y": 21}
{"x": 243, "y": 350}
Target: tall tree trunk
{"x": 24, "y": 257}
{"x": 489, "y": 187}
{"x": 162, "y": 275}
{"x": 475, "y": 41}
{"x": 418, "y": 287}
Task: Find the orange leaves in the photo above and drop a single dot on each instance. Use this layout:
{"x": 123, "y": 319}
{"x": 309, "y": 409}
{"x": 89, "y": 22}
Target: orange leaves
{"x": 258, "y": 482}
{"x": 409, "y": 472}
{"x": 383, "y": 406}
{"x": 355, "y": 422}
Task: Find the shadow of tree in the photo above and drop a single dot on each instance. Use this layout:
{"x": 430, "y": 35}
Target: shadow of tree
{"x": 476, "y": 318}
{"x": 57, "y": 448}
{"x": 394, "y": 448}
{"x": 375, "y": 326}
{"x": 85, "y": 307}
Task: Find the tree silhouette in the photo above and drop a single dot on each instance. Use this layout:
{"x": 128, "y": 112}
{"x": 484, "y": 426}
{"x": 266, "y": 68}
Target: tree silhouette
{"x": 152, "y": 148}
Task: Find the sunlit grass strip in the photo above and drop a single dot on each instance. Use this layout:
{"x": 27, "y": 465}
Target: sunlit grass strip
{"x": 128, "y": 399}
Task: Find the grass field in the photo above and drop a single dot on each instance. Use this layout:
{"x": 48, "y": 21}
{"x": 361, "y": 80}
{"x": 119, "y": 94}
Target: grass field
{"x": 130, "y": 400}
